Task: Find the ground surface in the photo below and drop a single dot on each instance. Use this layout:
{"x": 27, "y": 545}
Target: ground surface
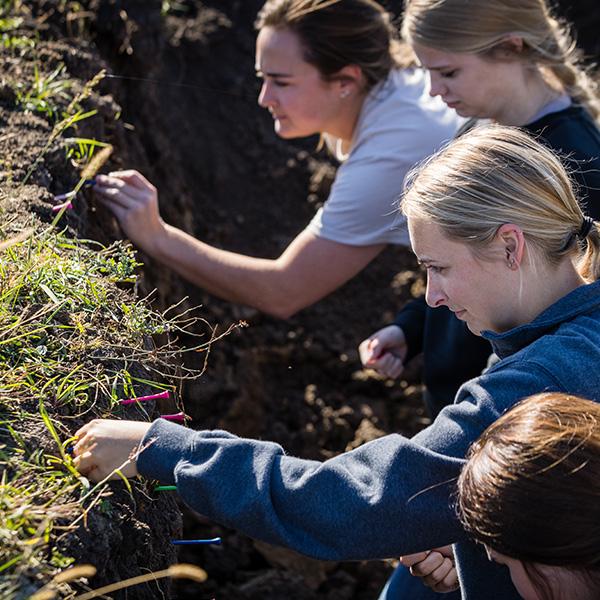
{"x": 224, "y": 176}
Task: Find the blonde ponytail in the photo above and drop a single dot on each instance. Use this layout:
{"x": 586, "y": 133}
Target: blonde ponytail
{"x": 589, "y": 264}
{"x": 563, "y": 59}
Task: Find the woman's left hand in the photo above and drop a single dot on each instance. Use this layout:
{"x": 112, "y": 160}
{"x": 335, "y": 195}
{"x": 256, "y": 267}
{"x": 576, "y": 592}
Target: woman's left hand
{"x": 104, "y": 445}
{"x": 435, "y": 568}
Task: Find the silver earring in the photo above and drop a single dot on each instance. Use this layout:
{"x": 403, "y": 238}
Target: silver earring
{"x": 344, "y": 93}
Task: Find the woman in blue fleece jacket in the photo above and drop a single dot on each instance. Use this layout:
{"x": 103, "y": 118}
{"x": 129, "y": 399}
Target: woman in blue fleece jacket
{"x": 514, "y": 63}
{"x": 494, "y": 219}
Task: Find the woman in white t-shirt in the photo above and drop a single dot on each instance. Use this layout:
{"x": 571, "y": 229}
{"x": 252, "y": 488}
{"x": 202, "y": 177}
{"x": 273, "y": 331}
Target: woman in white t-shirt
{"x": 328, "y": 67}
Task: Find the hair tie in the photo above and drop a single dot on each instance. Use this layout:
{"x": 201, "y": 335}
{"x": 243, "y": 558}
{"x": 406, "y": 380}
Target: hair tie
{"x": 586, "y": 227}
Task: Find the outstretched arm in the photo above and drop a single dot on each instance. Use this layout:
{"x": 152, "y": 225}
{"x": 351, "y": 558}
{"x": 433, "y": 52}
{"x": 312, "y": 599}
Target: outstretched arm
{"x": 309, "y": 268}
{"x": 389, "y": 497}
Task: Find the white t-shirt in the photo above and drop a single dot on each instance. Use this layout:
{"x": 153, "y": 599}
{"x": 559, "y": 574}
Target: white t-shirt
{"x": 400, "y": 124}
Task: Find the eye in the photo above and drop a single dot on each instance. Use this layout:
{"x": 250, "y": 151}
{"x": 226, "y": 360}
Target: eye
{"x": 435, "y": 269}
{"x": 449, "y": 74}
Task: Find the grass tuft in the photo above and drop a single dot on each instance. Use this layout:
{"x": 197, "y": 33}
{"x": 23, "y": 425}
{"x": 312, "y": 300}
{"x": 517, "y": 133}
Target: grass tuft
{"x": 73, "y": 340}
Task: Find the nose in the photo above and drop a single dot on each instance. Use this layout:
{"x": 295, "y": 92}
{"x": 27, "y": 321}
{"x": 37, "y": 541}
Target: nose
{"x": 434, "y": 294}
{"x": 436, "y": 86}
{"x": 266, "y": 98}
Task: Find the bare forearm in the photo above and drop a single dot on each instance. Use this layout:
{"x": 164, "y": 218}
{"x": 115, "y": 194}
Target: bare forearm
{"x": 309, "y": 269}
{"x": 256, "y": 282}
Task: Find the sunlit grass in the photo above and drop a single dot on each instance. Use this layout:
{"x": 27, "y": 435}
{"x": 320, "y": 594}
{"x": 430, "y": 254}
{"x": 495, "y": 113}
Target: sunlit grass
{"x": 73, "y": 340}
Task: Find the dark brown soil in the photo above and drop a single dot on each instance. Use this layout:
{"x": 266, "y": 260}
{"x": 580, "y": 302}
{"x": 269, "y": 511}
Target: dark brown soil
{"x": 195, "y": 130}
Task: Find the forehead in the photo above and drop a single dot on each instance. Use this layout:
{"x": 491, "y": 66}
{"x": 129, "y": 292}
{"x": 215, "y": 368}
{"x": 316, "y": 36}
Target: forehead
{"x": 430, "y": 244}
{"x": 278, "y": 51}
{"x": 434, "y": 59}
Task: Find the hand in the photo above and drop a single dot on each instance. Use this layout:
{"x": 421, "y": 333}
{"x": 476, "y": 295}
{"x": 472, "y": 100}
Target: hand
{"x": 134, "y": 201}
{"x": 385, "y": 351}
{"x": 105, "y": 444}
{"x": 435, "y": 568}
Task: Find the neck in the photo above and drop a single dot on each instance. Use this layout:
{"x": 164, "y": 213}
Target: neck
{"x": 548, "y": 286}
{"x": 344, "y": 125}
{"x": 527, "y": 99}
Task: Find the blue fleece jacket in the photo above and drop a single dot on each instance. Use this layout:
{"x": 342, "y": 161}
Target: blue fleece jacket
{"x": 394, "y": 495}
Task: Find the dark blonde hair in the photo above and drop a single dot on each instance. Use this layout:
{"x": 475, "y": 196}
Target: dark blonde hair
{"x": 531, "y": 486}
{"x": 494, "y": 175}
{"x": 337, "y": 33}
{"x": 482, "y": 27}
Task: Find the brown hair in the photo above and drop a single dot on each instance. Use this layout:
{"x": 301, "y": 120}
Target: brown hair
{"x": 337, "y": 33}
{"x": 531, "y": 486}
{"x": 482, "y": 27}
{"x": 494, "y": 175}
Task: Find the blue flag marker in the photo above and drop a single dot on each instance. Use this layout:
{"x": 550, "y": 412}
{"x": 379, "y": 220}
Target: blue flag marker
{"x": 216, "y": 540}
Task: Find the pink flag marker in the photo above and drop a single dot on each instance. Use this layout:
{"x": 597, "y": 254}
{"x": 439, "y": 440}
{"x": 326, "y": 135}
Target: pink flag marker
{"x": 180, "y": 417}
{"x": 68, "y": 205}
{"x": 164, "y": 395}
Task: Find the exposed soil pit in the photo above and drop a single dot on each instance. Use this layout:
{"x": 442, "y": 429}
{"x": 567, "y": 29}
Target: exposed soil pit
{"x": 193, "y": 127}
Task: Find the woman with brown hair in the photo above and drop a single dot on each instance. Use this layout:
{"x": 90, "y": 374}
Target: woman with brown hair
{"x": 530, "y": 492}
{"x": 329, "y": 67}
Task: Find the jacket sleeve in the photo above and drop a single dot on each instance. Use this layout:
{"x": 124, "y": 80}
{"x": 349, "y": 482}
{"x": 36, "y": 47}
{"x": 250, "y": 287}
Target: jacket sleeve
{"x": 411, "y": 319}
{"x": 389, "y": 497}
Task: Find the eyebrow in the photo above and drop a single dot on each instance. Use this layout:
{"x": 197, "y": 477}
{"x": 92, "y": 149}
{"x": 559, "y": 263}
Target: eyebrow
{"x": 278, "y": 75}
{"x": 440, "y": 68}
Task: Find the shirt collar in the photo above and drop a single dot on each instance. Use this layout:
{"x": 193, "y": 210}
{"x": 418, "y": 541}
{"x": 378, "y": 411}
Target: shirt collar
{"x": 581, "y": 300}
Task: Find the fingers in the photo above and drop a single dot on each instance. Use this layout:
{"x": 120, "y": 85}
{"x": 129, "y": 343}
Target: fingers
{"x": 134, "y": 178}
{"x": 134, "y": 202}
{"x": 449, "y": 582}
{"x": 411, "y": 559}
{"x": 387, "y": 364}
{"x": 443, "y": 579}
{"x": 128, "y": 177}
{"x": 434, "y": 569}
{"x": 371, "y": 349}
{"x": 85, "y": 463}
{"x": 118, "y": 191}
{"x": 384, "y": 351}
{"x": 365, "y": 351}
{"x": 106, "y": 445}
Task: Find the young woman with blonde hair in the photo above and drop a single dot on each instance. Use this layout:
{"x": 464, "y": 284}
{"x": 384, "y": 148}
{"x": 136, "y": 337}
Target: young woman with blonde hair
{"x": 329, "y": 67}
{"x": 514, "y": 63}
{"x": 494, "y": 219}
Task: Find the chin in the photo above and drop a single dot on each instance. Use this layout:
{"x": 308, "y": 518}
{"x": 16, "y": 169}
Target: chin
{"x": 465, "y": 112}
{"x": 475, "y": 328}
{"x": 287, "y": 134}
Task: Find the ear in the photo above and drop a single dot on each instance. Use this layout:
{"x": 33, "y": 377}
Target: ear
{"x": 349, "y": 79}
{"x": 512, "y": 241}
{"x": 509, "y": 48}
